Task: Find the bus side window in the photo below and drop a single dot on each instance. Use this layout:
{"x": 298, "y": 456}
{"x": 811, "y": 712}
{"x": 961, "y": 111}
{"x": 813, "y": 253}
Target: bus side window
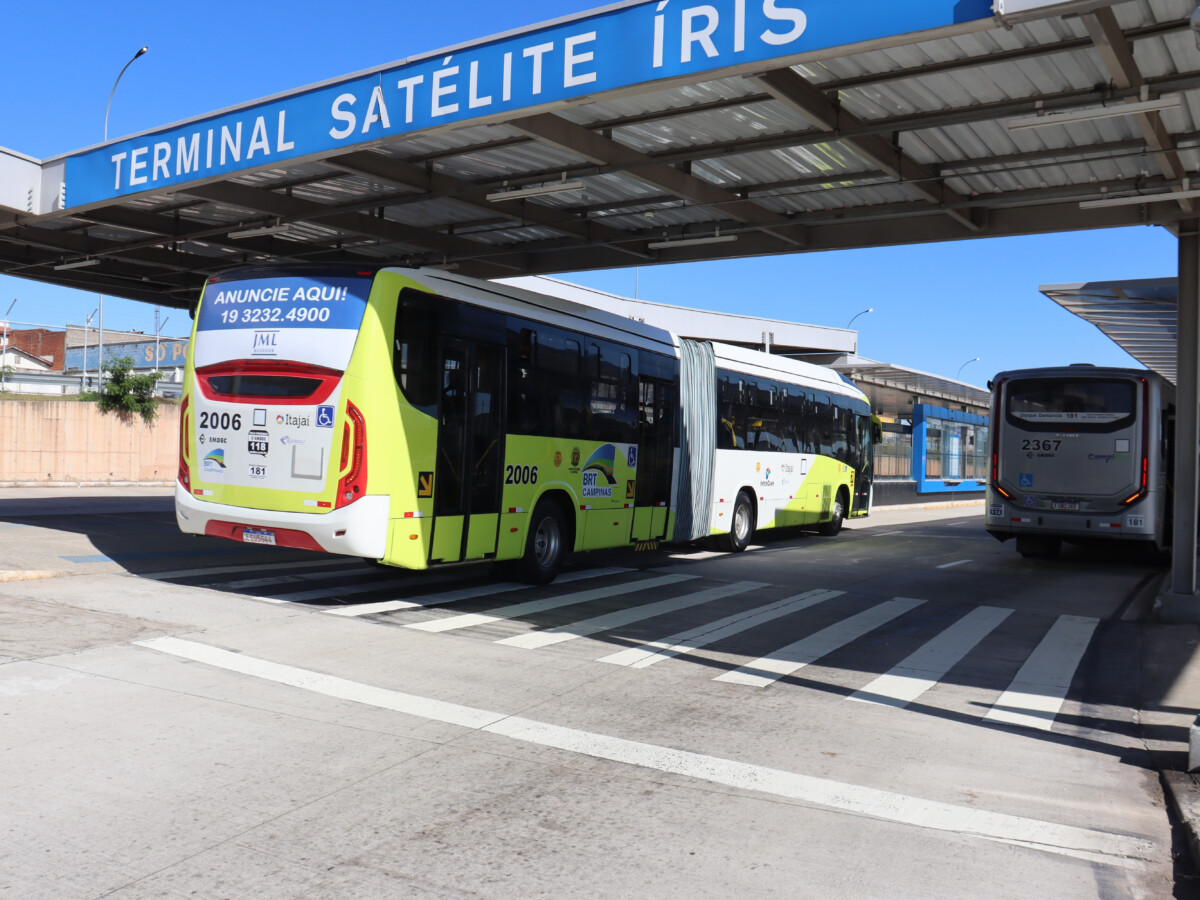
{"x": 524, "y": 386}
{"x": 415, "y": 358}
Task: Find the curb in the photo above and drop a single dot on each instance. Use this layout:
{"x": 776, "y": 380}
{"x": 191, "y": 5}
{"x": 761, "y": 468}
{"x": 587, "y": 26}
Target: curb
{"x": 953, "y": 504}
{"x": 79, "y": 484}
{"x": 1183, "y": 793}
{"x": 7, "y": 575}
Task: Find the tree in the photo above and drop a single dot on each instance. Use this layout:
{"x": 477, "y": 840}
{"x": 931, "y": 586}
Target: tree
{"x": 126, "y": 392}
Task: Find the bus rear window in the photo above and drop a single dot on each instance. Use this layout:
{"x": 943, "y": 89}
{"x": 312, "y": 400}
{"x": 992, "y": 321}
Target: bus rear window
{"x": 261, "y": 381}
{"x": 1043, "y": 404}
{"x": 263, "y": 386}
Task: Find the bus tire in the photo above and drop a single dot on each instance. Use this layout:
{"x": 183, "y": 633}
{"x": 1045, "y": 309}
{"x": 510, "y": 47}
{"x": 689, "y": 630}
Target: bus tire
{"x": 834, "y": 526}
{"x": 545, "y": 545}
{"x": 741, "y": 526}
{"x": 1038, "y": 546}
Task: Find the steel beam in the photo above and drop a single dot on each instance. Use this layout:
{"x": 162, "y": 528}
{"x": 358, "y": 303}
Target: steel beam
{"x": 1182, "y": 603}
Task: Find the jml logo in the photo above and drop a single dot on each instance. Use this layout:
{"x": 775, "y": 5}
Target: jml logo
{"x": 264, "y": 343}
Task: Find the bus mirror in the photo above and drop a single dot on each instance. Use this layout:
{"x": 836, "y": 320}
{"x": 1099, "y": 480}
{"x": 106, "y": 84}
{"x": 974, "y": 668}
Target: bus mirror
{"x": 877, "y": 432}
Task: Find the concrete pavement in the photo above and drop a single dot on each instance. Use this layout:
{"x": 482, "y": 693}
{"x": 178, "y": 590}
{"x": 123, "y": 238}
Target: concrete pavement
{"x": 272, "y": 749}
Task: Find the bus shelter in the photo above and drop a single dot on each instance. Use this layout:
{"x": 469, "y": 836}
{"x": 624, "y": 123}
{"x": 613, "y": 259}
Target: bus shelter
{"x": 646, "y": 133}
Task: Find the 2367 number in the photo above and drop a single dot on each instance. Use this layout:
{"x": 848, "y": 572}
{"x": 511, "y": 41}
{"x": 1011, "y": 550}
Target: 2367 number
{"x": 1041, "y": 445}
{"x": 520, "y": 474}
{"x": 221, "y": 421}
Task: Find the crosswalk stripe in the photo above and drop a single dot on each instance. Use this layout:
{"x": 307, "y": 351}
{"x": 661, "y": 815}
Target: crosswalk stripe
{"x": 1037, "y": 693}
{"x": 796, "y": 656}
{"x": 703, "y": 635}
{"x": 535, "y": 606}
{"x": 535, "y": 639}
{"x": 924, "y": 668}
{"x": 249, "y": 567}
{"x": 484, "y": 590}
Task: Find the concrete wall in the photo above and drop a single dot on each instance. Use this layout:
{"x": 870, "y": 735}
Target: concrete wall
{"x": 65, "y": 442}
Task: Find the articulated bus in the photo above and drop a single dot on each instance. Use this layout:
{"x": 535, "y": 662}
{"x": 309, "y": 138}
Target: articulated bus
{"x": 1078, "y": 453}
{"x": 419, "y": 418}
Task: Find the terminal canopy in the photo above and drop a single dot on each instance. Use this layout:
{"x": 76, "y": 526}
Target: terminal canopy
{"x": 1140, "y": 316}
{"x": 649, "y": 133}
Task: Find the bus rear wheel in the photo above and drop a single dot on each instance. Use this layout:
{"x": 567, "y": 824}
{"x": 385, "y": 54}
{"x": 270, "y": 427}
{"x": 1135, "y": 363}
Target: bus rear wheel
{"x": 742, "y": 527}
{"x": 545, "y": 547}
{"x": 834, "y": 526}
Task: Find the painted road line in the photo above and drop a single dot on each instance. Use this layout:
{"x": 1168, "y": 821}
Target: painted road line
{"x": 702, "y": 636}
{"x": 1037, "y": 693}
{"x": 244, "y": 583}
{"x": 535, "y": 639}
{"x": 960, "y": 562}
{"x": 483, "y": 590}
{"x": 926, "y": 667}
{"x": 545, "y": 604}
{"x": 247, "y": 567}
{"x": 1112, "y": 849}
{"x": 796, "y": 656}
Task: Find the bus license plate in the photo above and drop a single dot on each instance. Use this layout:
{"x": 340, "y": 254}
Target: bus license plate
{"x": 1064, "y": 505}
{"x": 258, "y": 536}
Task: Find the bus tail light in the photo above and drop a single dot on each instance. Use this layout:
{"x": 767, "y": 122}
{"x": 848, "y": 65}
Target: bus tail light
{"x": 995, "y": 423}
{"x": 1143, "y": 487}
{"x": 185, "y": 472}
{"x": 353, "y": 483}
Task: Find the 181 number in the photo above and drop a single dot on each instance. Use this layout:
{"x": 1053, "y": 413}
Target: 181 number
{"x": 520, "y": 474}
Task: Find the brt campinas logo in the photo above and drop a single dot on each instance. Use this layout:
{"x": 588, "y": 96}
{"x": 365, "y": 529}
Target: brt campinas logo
{"x": 602, "y": 462}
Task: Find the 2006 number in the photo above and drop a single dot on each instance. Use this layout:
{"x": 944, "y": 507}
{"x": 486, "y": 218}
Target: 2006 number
{"x": 221, "y": 421}
{"x": 520, "y": 474}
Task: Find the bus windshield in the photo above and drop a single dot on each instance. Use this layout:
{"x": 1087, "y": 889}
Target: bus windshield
{"x": 1086, "y": 404}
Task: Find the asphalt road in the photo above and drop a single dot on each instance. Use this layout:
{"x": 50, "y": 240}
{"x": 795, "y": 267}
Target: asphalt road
{"x": 908, "y": 710}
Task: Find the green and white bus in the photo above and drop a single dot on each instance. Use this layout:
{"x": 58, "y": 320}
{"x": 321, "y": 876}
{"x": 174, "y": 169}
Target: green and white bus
{"x": 420, "y": 418}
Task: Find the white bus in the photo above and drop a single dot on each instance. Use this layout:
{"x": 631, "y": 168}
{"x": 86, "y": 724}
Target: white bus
{"x": 1078, "y": 453}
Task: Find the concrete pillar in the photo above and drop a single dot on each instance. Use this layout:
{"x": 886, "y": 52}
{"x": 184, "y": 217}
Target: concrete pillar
{"x": 1182, "y": 603}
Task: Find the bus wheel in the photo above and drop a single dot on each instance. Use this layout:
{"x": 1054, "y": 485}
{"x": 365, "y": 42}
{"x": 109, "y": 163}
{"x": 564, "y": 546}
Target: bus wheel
{"x": 834, "y": 525}
{"x": 1036, "y": 547}
{"x": 545, "y": 545}
{"x": 742, "y": 528}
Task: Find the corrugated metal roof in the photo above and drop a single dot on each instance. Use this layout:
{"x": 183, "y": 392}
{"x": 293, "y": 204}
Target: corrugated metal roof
{"x": 899, "y": 139}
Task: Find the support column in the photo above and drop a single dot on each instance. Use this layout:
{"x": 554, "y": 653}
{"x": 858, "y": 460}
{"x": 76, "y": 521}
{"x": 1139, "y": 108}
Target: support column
{"x": 1182, "y": 603}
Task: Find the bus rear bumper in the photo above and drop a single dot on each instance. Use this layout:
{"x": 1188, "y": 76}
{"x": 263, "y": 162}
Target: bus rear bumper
{"x": 360, "y": 529}
{"x": 1004, "y": 520}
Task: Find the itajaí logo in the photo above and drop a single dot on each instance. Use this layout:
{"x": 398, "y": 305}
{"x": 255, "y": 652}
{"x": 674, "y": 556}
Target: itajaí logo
{"x": 215, "y": 459}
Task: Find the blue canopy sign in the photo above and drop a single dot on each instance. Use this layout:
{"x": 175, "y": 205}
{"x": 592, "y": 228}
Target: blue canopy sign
{"x": 611, "y": 48}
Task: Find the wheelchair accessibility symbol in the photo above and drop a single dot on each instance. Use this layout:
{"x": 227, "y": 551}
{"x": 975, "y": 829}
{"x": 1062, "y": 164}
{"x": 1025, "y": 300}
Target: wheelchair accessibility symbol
{"x": 1026, "y": 480}
{"x": 324, "y": 416}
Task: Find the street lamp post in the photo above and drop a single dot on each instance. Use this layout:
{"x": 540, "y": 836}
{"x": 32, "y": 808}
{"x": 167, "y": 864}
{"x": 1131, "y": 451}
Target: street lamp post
{"x": 86, "y": 328}
{"x": 100, "y": 351}
{"x": 963, "y": 366}
{"x": 4, "y": 346}
{"x": 158, "y": 327}
{"x": 856, "y": 315}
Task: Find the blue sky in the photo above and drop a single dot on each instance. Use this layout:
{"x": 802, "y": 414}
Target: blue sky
{"x": 936, "y": 306}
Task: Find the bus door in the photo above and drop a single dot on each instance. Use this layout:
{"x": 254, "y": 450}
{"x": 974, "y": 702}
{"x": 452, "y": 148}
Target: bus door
{"x": 656, "y": 449}
{"x": 470, "y": 451}
{"x": 864, "y": 463}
